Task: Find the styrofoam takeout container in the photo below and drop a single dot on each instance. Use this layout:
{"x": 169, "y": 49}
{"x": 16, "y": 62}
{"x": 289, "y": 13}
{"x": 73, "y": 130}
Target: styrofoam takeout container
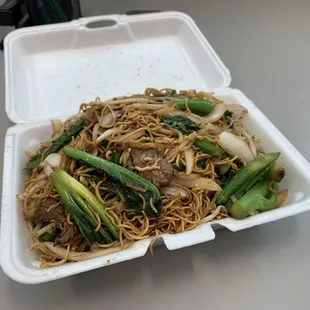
{"x": 50, "y": 70}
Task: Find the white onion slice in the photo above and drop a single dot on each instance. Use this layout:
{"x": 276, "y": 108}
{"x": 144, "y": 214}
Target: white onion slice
{"x": 47, "y": 228}
{"x": 95, "y": 132}
{"x": 182, "y": 175}
{"x": 164, "y": 111}
{"x": 107, "y": 134}
{"x": 47, "y": 168}
{"x": 214, "y": 129}
{"x": 189, "y": 160}
{"x": 195, "y": 118}
{"x": 108, "y": 119}
{"x": 57, "y": 128}
{"x": 53, "y": 160}
{"x": 215, "y": 115}
{"x": 237, "y": 110}
{"x": 130, "y": 136}
{"x": 203, "y": 183}
{"x": 175, "y": 192}
{"x": 166, "y": 131}
{"x": 235, "y": 146}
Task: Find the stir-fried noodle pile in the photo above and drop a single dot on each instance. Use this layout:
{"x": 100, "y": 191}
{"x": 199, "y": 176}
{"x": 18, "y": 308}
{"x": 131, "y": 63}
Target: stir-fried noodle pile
{"x": 131, "y": 131}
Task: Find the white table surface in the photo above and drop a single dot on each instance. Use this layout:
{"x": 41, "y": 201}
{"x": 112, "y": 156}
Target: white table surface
{"x": 266, "y": 45}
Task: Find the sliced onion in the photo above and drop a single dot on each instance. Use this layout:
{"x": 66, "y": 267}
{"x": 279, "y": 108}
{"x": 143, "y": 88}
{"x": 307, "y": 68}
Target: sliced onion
{"x": 107, "y": 134}
{"x": 189, "y": 160}
{"x": 47, "y": 168}
{"x": 182, "y": 175}
{"x": 57, "y": 128}
{"x": 47, "y": 228}
{"x": 195, "y": 118}
{"x": 108, "y": 119}
{"x": 53, "y": 160}
{"x": 130, "y": 136}
{"x": 235, "y": 146}
{"x": 36, "y": 229}
{"x": 95, "y": 132}
{"x": 203, "y": 183}
{"x": 30, "y": 154}
{"x": 164, "y": 131}
{"x": 175, "y": 192}
{"x": 165, "y": 111}
{"x": 61, "y": 252}
{"x": 215, "y": 115}
{"x": 214, "y": 129}
{"x": 178, "y": 133}
{"x": 237, "y": 110}
{"x": 281, "y": 198}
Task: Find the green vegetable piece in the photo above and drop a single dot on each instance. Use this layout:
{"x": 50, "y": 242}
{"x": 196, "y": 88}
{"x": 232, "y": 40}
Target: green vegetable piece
{"x": 227, "y": 176}
{"x": 200, "y": 163}
{"x": 183, "y": 124}
{"x": 34, "y": 162}
{"x": 115, "y": 158}
{"x": 224, "y": 169}
{"x": 209, "y": 148}
{"x": 228, "y": 118}
{"x": 172, "y": 93}
{"x": 246, "y": 178}
{"x": 180, "y": 167}
{"x": 138, "y": 193}
{"x": 49, "y": 236}
{"x": 228, "y": 113}
{"x": 58, "y": 144}
{"x": 254, "y": 200}
{"x": 82, "y": 204}
{"x": 196, "y": 106}
{"x": 96, "y": 178}
{"x": 276, "y": 173}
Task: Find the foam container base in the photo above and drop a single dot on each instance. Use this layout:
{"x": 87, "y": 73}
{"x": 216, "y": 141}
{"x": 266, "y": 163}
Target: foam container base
{"x": 66, "y": 64}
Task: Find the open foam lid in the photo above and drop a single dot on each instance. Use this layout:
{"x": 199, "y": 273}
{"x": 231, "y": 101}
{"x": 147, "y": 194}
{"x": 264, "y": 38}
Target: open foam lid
{"x": 50, "y": 70}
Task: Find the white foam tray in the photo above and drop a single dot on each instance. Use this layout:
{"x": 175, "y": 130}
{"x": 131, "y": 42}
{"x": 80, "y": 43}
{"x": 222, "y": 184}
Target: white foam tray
{"x": 50, "y": 70}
